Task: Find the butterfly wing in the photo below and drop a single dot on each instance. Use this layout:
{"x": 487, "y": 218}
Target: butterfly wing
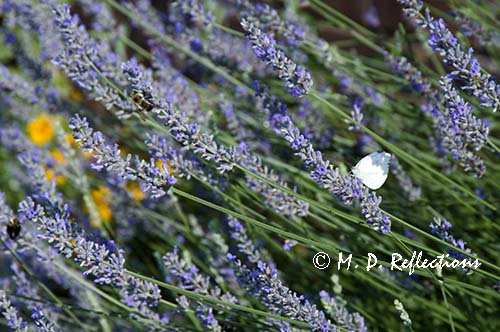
{"x": 373, "y": 169}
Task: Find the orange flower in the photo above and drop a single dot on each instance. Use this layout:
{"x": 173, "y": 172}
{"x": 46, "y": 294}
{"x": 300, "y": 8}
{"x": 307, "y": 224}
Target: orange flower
{"x": 41, "y": 129}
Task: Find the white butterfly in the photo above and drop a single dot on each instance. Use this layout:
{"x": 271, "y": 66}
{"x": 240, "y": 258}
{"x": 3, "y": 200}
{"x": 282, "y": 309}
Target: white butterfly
{"x": 373, "y": 169}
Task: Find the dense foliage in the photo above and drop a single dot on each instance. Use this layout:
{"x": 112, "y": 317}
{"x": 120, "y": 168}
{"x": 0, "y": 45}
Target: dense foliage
{"x": 178, "y": 166}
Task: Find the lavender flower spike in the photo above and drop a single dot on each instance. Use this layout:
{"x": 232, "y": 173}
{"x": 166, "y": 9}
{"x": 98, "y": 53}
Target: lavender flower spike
{"x": 263, "y": 282}
{"x": 81, "y": 56}
{"x": 347, "y": 188}
{"x": 156, "y": 181}
{"x": 298, "y": 80}
{"x": 465, "y": 68}
{"x": 14, "y": 321}
{"x": 441, "y": 228}
{"x": 191, "y": 135}
{"x": 462, "y": 133}
{"x": 187, "y": 276}
{"x": 336, "y": 308}
{"x": 268, "y": 20}
{"x": 41, "y": 321}
{"x": 471, "y": 28}
{"x": 103, "y": 261}
{"x": 245, "y": 245}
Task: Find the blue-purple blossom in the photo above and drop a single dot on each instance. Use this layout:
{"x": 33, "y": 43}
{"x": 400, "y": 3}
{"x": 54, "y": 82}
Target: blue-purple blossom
{"x": 297, "y": 79}
{"x": 102, "y": 16}
{"x": 356, "y": 114}
{"x": 187, "y": 276}
{"x": 459, "y": 132}
{"x": 245, "y": 245}
{"x": 96, "y": 266}
{"x": 289, "y": 244}
{"x": 30, "y": 290}
{"x": 279, "y": 200}
{"x": 465, "y": 68}
{"x": 84, "y": 60}
{"x": 190, "y": 13}
{"x": 32, "y": 66}
{"x": 262, "y": 282}
{"x": 19, "y": 87}
{"x": 107, "y": 157}
{"x": 404, "y": 68}
{"x": 411, "y": 8}
{"x": 268, "y": 20}
{"x": 441, "y": 227}
{"x": 187, "y": 133}
{"x": 41, "y": 321}
{"x": 103, "y": 261}
{"x": 14, "y": 321}
{"x": 220, "y": 48}
{"x": 473, "y": 29}
{"x": 371, "y": 17}
{"x": 463, "y": 134}
{"x": 175, "y": 89}
{"x": 348, "y": 188}
{"x": 192, "y": 136}
{"x": 35, "y": 19}
{"x": 336, "y": 308}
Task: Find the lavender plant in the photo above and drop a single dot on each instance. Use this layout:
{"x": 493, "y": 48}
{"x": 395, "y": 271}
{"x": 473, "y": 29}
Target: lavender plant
{"x": 14, "y": 321}
{"x": 459, "y": 132}
{"x": 465, "y": 68}
{"x": 298, "y": 79}
{"x": 155, "y": 175}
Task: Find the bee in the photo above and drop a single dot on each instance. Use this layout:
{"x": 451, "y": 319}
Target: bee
{"x": 13, "y": 228}
{"x": 143, "y": 100}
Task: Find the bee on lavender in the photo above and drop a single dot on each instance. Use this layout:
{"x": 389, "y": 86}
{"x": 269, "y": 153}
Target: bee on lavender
{"x": 143, "y": 100}
{"x": 13, "y": 228}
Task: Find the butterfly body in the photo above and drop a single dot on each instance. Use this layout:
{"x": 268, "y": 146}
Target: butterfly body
{"x": 373, "y": 169}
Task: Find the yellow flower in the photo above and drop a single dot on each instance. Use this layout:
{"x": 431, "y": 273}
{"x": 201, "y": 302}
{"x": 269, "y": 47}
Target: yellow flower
{"x": 134, "y": 190}
{"x": 104, "y": 212}
{"x": 58, "y": 156}
{"x": 159, "y": 164}
{"x": 50, "y": 174}
{"x": 71, "y": 140}
{"x": 74, "y": 144}
{"x": 87, "y": 155}
{"x": 101, "y": 197}
{"x": 41, "y": 129}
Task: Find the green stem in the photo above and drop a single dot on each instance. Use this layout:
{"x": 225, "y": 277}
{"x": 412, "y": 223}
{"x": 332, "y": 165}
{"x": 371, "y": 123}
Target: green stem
{"x": 450, "y": 318}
